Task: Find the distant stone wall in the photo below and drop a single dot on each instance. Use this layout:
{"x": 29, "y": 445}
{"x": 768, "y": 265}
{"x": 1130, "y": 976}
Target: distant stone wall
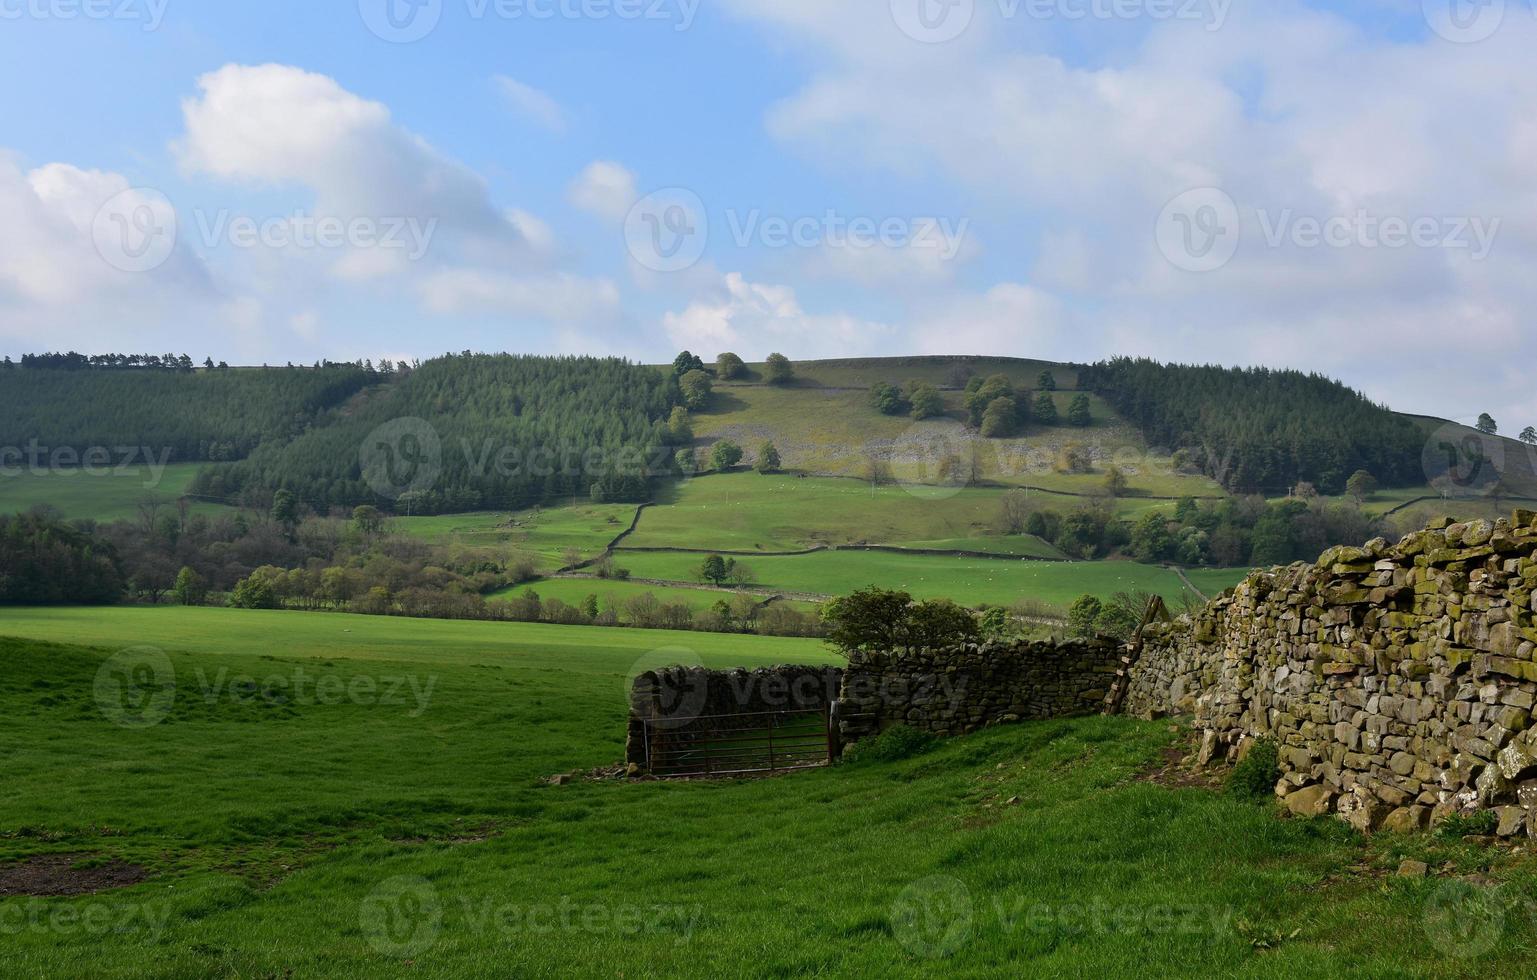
{"x": 954, "y": 692}
{"x": 688, "y": 699}
{"x": 1398, "y": 680}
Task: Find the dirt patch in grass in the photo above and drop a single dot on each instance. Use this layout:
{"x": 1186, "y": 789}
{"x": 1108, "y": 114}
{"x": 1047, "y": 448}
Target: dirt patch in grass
{"x": 1176, "y": 769}
{"x": 52, "y": 875}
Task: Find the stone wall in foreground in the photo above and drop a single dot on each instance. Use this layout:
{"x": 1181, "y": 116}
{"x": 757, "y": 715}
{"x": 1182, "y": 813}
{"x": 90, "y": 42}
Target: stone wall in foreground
{"x": 1397, "y": 680}
{"x": 954, "y": 692}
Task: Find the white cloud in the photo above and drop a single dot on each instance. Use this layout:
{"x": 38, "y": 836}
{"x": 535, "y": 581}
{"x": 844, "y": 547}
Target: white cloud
{"x": 1289, "y": 109}
{"x": 531, "y": 103}
{"x": 52, "y": 273}
{"x": 756, "y": 320}
{"x": 605, "y": 189}
{"x": 560, "y": 298}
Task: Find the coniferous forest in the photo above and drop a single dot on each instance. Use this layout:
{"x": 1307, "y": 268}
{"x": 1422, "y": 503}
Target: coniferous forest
{"x": 1257, "y": 430}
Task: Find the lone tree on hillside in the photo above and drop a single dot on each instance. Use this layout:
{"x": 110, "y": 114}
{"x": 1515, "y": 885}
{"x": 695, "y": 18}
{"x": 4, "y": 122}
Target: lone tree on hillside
{"x": 680, "y": 428}
{"x": 1016, "y": 511}
{"x": 1487, "y": 424}
{"x": 1082, "y": 615}
{"x": 768, "y": 459}
{"x": 696, "y": 387}
{"x": 725, "y": 455}
{"x": 1046, "y": 409}
{"x": 999, "y": 421}
{"x": 1529, "y": 435}
{"x": 1361, "y": 486}
{"x": 717, "y": 570}
{"x": 1079, "y": 412}
{"x": 729, "y": 367}
{"x": 886, "y": 398}
{"x": 686, "y": 362}
{"x": 778, "y": 370}
{"x": 1047, "y": 381}
{"x": 1115, "y": 482}
{"x": 927, "y": 402}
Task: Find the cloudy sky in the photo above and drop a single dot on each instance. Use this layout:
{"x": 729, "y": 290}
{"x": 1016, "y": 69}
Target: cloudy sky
{"x": 1348, "y": 188}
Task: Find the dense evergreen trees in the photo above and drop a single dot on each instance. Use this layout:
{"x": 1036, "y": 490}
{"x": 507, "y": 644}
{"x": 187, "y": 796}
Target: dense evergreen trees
{"x": 207, "y": 415}
{"x": 1258, "y": 430}
{"x": 483, "y": 431}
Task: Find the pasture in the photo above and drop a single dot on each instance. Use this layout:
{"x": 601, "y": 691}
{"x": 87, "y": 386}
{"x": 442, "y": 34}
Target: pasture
{"x": 371, "y": 831}
{"x": 103, "y": 494}
{"x": 969, "y": 581}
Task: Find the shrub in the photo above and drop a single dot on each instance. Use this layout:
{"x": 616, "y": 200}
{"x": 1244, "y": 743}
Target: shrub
{"x": 892, "y": 745}
{"x": 1480, "y": 824}
{"x": 1259, "y": 771}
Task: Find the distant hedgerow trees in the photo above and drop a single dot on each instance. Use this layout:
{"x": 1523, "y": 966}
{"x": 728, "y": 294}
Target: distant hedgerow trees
{"x": 45, "y": 562}
{"x": 778, "y": 370}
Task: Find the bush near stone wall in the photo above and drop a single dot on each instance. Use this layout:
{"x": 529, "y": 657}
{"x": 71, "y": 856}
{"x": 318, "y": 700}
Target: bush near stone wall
{"x": 958, "y": 691}
{"x": 1398, "y": 680}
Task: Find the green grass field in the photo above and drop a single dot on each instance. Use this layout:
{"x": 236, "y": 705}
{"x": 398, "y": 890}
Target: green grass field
{"x": 749, "y": 512}
{"x": 544, "y": 534}
{"x": 402, "y": 828}
{"x": 970, "y": 581}
{"x": 613, "y": 594}
{"x": 108, "y": 495}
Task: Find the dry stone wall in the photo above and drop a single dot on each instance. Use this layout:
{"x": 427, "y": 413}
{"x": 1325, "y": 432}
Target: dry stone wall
{"x": 954, "y": 692}
{"x": 1397, "y": 680}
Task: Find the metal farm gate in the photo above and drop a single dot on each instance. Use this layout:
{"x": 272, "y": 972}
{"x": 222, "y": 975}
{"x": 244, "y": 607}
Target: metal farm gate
{"x": 742, "y": 744}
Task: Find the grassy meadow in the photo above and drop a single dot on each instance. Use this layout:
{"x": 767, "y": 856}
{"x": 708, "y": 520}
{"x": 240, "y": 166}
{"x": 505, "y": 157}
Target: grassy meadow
{"x": 544, "y": 535}
{"x": 970, "y": 581}
{"x": 108, "y": 494}
{"x": 328, "y": 795}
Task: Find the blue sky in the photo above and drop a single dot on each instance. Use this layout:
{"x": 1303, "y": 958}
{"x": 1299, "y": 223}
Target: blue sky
{"x": 1037, "y": 179}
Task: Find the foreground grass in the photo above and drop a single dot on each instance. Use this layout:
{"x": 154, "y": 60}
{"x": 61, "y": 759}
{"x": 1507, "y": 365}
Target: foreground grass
{"x": 362, "y": 837}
